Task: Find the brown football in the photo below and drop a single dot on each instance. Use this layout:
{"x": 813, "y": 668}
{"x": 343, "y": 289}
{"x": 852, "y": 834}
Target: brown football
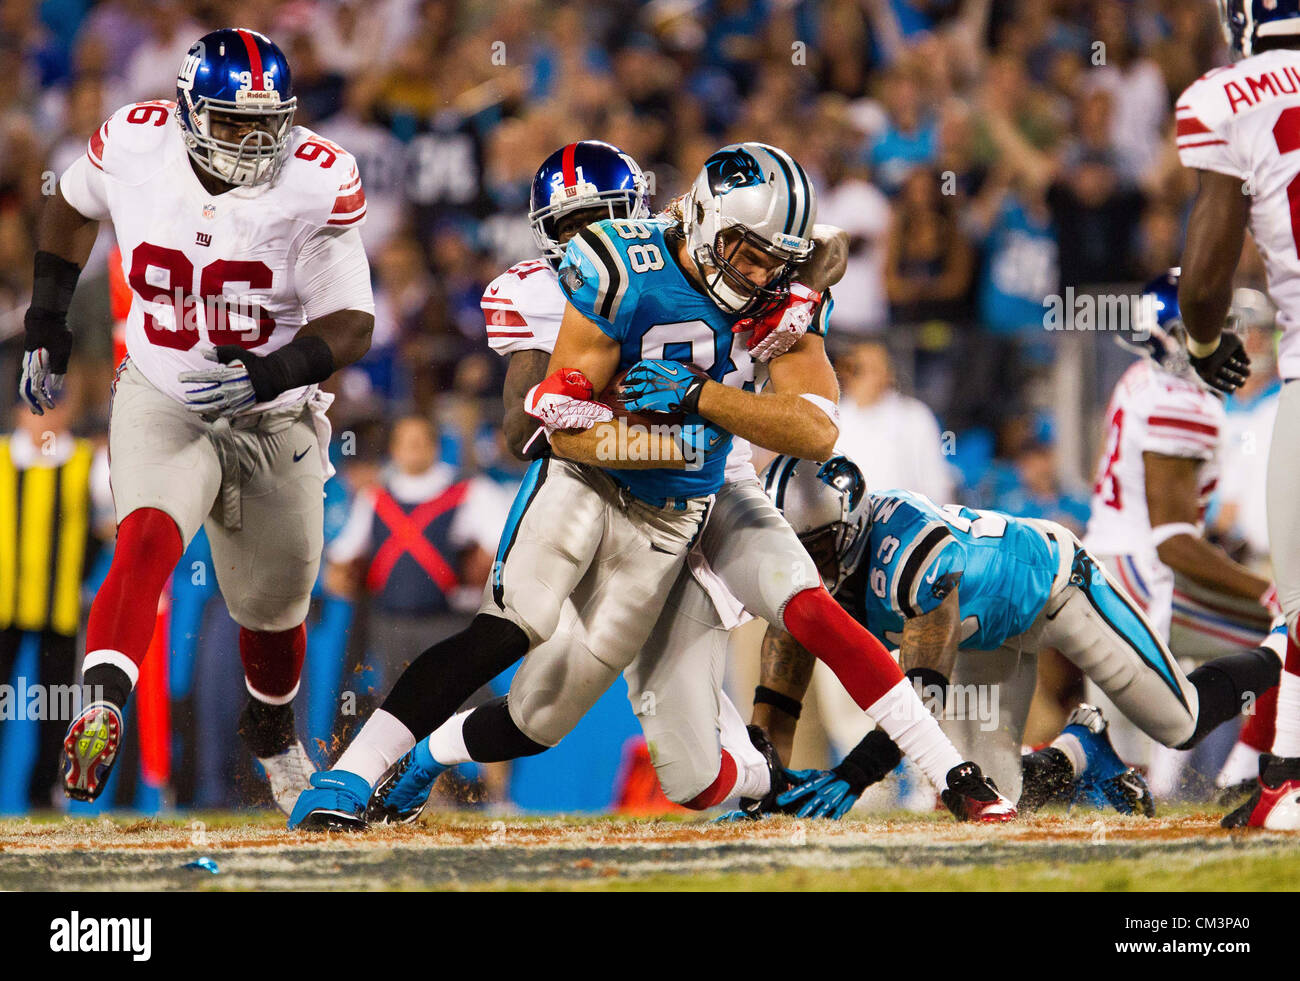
{"x": 612, "y": 397}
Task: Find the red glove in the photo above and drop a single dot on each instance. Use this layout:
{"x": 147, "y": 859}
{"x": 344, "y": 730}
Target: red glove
{"x": 562, "y": 400}
{"x": 777, "y": 331}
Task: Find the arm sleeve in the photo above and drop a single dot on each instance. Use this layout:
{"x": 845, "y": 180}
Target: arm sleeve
{"x": 85, "y": 187}
{"x": 332, "y": 273}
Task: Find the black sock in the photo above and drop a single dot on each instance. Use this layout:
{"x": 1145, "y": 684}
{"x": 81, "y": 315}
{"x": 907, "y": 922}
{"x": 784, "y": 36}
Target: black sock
{"x": 491, "y": 736}
{"x": 1224, "y": 684}
{"x": 1046, "y": 777}
{"x": 267, "y": 730}
{"x": 439, "y": 680}
{"x": 106, "y": 682}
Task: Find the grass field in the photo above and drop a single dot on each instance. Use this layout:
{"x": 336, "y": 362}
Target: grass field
{"x": 1181, "y": 850}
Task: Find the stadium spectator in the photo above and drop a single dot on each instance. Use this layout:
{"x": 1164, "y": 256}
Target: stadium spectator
{"x": 894, "y": 437}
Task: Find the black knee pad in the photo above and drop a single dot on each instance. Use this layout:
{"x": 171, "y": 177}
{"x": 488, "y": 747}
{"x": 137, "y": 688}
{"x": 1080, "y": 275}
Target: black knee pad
{"x": 1224, "y": 684}
{"x": 439, "y": 680}
{"x": 491, "y": 736}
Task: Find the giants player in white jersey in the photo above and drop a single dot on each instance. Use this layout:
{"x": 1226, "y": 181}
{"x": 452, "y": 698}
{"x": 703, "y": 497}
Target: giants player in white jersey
{"x": 1158, "y": 468}
{"x": 238, "y": 234}
{"x": 700, "y": 748}
{"x": 1239, "y": 128}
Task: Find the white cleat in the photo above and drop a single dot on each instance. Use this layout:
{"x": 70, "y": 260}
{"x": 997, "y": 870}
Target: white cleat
{"x": 289, "y": 774}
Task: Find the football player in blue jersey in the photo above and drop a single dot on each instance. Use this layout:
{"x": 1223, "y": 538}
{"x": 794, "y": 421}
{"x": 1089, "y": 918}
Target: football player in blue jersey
{"x": 936, "y": 580}
{"x": 606, "y": 517}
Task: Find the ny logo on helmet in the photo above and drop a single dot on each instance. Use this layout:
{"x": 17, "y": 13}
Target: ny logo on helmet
{"x": 185, "y": 77}
{"x": 729, "y": 169}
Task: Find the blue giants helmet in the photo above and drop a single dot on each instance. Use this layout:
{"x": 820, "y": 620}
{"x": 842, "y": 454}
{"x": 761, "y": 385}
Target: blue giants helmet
{"x": 1157, "y": 325}
{"x": 587, "y": 174}
{"x": 1247, "y": 22}
{"x": 236, "y": 77}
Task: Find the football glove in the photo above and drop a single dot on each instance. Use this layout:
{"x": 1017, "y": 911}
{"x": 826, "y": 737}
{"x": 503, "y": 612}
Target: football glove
{"x": 779, "y": 330}
{"x": 1226, "y": 367}
{"x": 818, "y": 794}
{"x": 225, "y": 389}
{"x": 563, "y": 400}
{"x": 662, "y": 386}
{"x": 47, "y": 348}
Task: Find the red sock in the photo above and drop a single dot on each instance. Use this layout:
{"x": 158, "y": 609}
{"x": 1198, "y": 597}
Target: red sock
{"x": 125, "y": 608}
{"x": 861, "y": 662}
{"x": 273, "y": 662}
{"x": 718, "y": 791}
{"x": 1257, "y": 733}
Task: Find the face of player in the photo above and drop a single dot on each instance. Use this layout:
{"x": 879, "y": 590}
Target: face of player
{"x": 567, "y": 226}
{"x": 749, "y": 260}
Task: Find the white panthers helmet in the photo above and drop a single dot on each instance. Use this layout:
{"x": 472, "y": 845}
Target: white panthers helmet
{"x": 755, "y": 193}
{"x": 828, "y": 507}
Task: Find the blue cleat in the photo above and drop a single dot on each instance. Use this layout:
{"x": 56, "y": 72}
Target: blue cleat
{"x": 336, "y": 801}
{"x": 1107, "y": 780}
{"x": 401, "y": 796}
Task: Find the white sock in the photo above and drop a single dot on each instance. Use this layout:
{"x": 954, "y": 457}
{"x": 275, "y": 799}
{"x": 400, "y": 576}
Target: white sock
{"x": 1286, "y": 735}
{"x": 381, "y": 742}
{"x": 1073, "y": 750}
{"x": 447, "y": 743}
{"x": 1242, "y": 764}
{"x": 916, "y": 732}
{"x": 753, "y": 778}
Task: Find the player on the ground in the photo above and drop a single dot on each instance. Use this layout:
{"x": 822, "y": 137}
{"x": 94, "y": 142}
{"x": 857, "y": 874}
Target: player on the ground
{"x": 1239, "y": 128}
{"x": 701, "y": 748}
{"x": 656, "y": 295}
{"x": 238, "y": 234}
{"x": 939, "y": 580}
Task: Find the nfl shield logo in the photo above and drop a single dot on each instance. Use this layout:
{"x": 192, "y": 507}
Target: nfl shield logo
{"x": 209, "y": 211}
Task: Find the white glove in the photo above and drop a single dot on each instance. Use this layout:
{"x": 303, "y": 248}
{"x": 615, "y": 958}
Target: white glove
{"x": 778, "y": 331}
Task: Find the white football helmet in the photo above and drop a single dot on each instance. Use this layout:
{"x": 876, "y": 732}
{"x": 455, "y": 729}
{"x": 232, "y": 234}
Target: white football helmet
{"x": 755, "y": 193}
{"x": 828, "y": 507}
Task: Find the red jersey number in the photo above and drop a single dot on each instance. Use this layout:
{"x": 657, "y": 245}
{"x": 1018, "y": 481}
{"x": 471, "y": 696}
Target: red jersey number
{"x": 250, "y": 328}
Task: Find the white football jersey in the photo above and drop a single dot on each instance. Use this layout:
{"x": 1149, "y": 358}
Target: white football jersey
{"x": 1150, "y": 411}
{"x": 245, "y": 267}
{"x": 1243, "y": 120}
{"x": 523, "y": 309}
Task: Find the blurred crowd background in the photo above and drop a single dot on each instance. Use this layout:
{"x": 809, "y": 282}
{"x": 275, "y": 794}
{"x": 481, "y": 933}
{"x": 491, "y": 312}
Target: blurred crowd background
{"x": 982, "y": 154}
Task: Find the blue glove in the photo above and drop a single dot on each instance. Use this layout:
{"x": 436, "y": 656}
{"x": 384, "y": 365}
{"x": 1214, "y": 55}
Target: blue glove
{"x": 335, "y": 801}
{"x": 818, "y": 794}
{"x": 662, "y": 386}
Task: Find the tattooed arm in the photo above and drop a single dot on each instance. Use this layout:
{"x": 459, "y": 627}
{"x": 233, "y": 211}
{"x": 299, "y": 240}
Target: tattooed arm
{"x": 786, "y": 669}
{"x": 930, "y": 641}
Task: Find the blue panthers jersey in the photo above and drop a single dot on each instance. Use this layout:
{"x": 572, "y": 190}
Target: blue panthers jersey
{"x": 624, "y": 276}
{"x": 919, "y": 552}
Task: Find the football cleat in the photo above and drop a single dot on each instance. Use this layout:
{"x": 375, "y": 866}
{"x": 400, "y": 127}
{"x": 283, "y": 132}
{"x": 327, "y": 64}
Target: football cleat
{"x": 1275, "y": 804}
{"x": 1107, "y": 780}
{"x": 401, "y": 796}
{"x": 971, "y": 796}
{"x": 289, "y": 774}
{"x": 90, "y": 748}
{"x": 336, "y": 801}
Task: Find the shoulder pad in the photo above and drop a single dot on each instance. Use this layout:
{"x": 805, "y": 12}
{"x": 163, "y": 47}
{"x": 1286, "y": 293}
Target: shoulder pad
{"x": 127, "y": 146}
{"x": 523, "y": 308}
{"x": 324, "y": 178}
